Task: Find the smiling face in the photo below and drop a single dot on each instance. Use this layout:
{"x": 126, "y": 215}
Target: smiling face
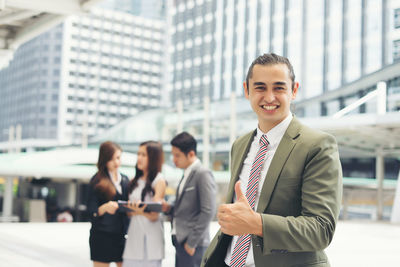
{"x": 270, "y": 94}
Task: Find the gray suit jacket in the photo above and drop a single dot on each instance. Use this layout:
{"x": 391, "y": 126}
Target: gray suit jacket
{"x": 299, "y": 201}
{"x": 195, "y": 207}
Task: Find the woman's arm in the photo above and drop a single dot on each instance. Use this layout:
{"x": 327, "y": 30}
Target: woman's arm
{"x": 109, "y": 207}
{"x": 159, "y": 192}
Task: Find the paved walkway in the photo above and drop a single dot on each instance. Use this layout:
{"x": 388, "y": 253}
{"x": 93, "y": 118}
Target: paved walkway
{"x": 364, "y": 244}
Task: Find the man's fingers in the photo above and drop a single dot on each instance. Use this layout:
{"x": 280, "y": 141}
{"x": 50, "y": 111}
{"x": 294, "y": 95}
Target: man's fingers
{"x": 222, "y": 208}
{"x": 239, "y": 194}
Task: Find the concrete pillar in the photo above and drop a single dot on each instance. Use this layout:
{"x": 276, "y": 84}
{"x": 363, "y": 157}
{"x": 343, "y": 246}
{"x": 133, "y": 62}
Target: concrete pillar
{"x": 395, "y": 217}
{"x": 8, "y": 197}
{"x": 77, "y": 201}
{"x": 381, "y": 101}
{"x": 11, "y": 135}
{"x": 18, "y": 136}
{"x": 380, "y": 175}
{"x": 71, "y": 194}
{"x": 206, "y": 132}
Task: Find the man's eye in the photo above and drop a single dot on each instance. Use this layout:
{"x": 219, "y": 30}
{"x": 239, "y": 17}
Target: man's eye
{"x": 279, "y": 88}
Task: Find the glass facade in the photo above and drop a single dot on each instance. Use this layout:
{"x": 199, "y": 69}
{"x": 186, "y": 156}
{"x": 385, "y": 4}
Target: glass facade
{"x": 330, "y": 43}
{"x": 334, "y": 46}
{"x": 84, "y": 76}
{"x": 373, "y": 33}
{"x": 29, "y": 88}
{"x": 144, "y": 8}
{"x": 352, "y": 41}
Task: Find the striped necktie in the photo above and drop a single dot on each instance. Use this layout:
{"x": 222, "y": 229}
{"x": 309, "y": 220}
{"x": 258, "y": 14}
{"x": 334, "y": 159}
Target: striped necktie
{"x": 241, "y": 249}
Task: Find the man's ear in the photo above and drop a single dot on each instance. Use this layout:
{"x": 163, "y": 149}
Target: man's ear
{"x": 295, "y": 89}
{"x": 191, "y": 154}
{"x": 246, "y": 90}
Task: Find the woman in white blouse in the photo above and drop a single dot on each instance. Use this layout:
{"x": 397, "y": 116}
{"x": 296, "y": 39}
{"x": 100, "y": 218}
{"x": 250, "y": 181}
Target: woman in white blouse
{"x": 145, "y": 243}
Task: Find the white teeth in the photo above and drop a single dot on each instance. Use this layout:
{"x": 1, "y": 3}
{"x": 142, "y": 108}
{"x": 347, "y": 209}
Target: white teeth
{"x": 269, "y": 107}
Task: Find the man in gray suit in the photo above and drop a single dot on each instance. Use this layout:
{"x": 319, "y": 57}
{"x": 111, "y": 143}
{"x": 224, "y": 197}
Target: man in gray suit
{"x": 194, "y": 205}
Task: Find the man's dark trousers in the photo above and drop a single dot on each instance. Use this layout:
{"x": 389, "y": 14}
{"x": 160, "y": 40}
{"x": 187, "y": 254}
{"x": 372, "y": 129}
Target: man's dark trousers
{"x": 182, "y": 259}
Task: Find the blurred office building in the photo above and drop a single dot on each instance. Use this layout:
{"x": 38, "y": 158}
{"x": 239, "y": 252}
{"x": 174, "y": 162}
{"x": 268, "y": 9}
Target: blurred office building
{"x": 331, "y": 44}
{"x": 345, "y": 54}
{"x": 80, "y": 78}
{"x": 144, "y": 8}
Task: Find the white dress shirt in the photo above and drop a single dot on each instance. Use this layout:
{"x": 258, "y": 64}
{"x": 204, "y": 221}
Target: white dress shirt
{"x": 117, "y": 183}
{"x": 274, "y": 137}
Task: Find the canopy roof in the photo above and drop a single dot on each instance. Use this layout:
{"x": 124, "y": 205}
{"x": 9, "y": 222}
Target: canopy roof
{"x": 22, "y": 20}
{"x": 363, "y": 135}
{"x": 75, "y": 164}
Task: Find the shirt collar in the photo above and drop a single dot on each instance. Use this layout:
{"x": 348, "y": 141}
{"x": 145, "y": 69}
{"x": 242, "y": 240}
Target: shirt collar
{"x": 119, "y": 178}
{"x": 189, "y": 169}
{"x": 275, "y": 134}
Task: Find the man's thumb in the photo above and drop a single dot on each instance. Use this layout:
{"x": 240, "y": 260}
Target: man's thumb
{"x": 239, "y": 193}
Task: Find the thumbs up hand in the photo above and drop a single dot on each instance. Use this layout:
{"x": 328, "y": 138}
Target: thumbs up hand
{"x": 239, "y": 218}
{"x": 240, "y": 197}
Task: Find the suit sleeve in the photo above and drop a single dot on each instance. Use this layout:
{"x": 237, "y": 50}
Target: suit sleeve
{"x": 321, "y": 190}
{"x": 92, "y": 202}
{"x": 207, "y": 192}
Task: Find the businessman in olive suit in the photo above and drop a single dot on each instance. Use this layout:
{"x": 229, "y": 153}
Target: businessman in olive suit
{"x": 285, "y": 190}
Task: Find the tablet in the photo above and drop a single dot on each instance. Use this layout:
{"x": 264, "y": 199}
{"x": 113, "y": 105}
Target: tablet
{"x": 122, "y": 207}
{"x": 151, "y": 206}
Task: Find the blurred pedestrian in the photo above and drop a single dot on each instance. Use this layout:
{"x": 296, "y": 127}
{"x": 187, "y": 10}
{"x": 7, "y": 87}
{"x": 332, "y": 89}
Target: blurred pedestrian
{"x": 65, "y": 216}
{"x": 107, "y": 186}
{"x": 145, "y": 243}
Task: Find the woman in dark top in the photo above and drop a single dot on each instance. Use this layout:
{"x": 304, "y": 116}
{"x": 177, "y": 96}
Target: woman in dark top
{"x": 107, "y": 186}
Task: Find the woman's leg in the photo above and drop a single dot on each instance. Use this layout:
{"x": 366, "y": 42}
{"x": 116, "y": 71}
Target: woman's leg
{"x": 119, "y": 264}
{"x": 100, "y": 264}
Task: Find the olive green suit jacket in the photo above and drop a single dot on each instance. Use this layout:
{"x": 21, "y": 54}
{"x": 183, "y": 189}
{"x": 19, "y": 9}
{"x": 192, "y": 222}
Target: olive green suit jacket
{"x": 299, "y": 201}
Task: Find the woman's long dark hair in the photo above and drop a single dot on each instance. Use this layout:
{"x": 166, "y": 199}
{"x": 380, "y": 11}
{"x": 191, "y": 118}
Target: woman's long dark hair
{"x": 102, "y": 182}
{"x": 155, "y": 156}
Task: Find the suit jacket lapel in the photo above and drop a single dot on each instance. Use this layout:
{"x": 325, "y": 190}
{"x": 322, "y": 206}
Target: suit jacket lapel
{"x": 244, "y": 146}
{"x": 282, "y": 153}
{"x": 124, "y": 186}
{"x": 190, "y": 177}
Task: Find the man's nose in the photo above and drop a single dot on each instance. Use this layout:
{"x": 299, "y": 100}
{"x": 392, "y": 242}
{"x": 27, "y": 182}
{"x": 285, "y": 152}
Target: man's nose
{"x": 269, "y": 96}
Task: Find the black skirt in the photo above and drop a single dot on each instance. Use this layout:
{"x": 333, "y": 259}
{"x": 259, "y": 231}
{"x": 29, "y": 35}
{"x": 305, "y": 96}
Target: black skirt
{"x": 106, "y": 247}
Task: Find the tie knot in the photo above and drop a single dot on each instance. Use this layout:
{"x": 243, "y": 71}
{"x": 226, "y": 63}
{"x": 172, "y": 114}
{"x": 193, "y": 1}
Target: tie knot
{"x": 264, "y": 140}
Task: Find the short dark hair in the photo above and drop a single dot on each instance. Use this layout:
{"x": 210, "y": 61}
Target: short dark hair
{"x": 270, "y": 59}
{"x": 185, "y": 142}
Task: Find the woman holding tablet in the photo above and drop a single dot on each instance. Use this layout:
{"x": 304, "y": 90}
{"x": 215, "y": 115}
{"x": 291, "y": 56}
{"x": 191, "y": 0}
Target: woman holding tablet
{"x": 145, "y": 244}
{"x": 107, "y": 186}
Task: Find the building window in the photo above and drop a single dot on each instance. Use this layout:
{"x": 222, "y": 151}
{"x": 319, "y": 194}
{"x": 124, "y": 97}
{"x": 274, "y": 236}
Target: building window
{"x": 396, "y": 50}
{"x": 397, "y": 18}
